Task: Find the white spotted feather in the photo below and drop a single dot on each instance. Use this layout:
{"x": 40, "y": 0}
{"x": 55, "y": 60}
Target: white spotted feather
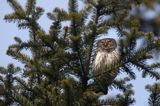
{"x": 103, "y": 59}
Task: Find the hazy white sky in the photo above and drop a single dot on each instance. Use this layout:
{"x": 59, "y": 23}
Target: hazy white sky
{"x": 9, "y": 30}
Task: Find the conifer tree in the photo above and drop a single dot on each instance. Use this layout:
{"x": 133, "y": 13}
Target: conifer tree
{"x": 65, "y": 53}
{"x": 154, "y": 97}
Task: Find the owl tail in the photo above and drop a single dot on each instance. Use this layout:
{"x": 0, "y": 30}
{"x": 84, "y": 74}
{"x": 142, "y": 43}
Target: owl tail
{"x": 104, "y": 81}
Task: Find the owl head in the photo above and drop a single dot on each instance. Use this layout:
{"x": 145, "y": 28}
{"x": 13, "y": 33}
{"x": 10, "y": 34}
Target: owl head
{"x": 106, "y": 45}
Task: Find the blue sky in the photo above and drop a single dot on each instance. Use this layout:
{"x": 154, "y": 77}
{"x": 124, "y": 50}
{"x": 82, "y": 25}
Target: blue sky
{"x": 9, "y": 30}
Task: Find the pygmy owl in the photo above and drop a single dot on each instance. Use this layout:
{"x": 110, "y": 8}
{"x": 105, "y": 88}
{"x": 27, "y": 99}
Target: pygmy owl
{"x": 106, "y": 54}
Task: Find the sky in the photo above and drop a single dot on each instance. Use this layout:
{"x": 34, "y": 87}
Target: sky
{"x": 9, "y": 30}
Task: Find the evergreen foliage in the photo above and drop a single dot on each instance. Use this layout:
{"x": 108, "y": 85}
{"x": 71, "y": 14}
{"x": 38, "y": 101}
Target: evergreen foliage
{"x": 65, "y": 53}
{"x": 154, "y": 98}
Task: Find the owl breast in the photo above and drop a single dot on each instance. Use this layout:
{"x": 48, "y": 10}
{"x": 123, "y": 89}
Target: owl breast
{"x": 103, "y": 60}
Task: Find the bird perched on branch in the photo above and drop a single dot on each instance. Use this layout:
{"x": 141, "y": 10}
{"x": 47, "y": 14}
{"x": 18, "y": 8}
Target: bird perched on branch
{"x": 106, "y": 56}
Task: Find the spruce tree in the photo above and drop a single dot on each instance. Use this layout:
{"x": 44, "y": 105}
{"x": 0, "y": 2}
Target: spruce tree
{"x": 65, "y": 53}
{"x": 154, "y": 97}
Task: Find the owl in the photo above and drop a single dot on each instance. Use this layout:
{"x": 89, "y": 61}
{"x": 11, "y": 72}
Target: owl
{"x": 106, "y": 54}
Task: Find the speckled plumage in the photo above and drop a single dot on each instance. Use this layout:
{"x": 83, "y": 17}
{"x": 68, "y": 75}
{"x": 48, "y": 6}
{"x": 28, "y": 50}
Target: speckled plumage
{"x": 105, "y": 54}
